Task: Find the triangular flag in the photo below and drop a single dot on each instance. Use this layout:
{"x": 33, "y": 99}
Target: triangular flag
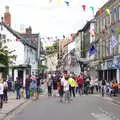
{"x": 100, "y": 11}
{"x": 55, "y": 37}
{"x": 58, "y": 2}
{"x": 112, "y": 30}
{"x": 107, "y": 11}
{"x": 17, "y": 40}
{"x": 50, "y": 1}
{"x": 92, "y": 50}
{"x": 67, "y": 3}
{"x": 92, "y": 8}
{"x": 63, "y": 36}
{"x": 84, "y": 7}
{"x": 48, "y": 38}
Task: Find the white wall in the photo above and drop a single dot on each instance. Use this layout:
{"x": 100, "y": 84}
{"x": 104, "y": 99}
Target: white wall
{"x": 12, "y": 44}
{"x": 71, "y": 46}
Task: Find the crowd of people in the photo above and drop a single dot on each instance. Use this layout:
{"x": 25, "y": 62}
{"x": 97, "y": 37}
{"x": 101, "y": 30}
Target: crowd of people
{"x": 30, "y": 89}
{"x": 66, "y": 86}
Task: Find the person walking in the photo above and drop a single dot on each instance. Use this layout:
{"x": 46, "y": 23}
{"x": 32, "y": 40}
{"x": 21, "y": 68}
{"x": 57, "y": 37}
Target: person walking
{"x": 80, "y": 82}
{"x": 66, "y": 90}
{"x": 49, "y": 87}
{"x": 5, "y": 96}
{"x": 1, "y": 92}
{"x": 61, "y": 88}
{"x": 17, "y": 88}
{"x": 103, "y": 84}
{"x": 38, "y": 79}
{"x": 27, "y": 87}
{"x": 72, "y": 85}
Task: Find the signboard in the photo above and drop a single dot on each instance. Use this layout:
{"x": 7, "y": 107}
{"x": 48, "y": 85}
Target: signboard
{"x": 109, "y": 64}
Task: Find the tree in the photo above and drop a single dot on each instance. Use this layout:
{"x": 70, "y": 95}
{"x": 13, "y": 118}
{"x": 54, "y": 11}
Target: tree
{"x": 53, "y": 48}
{"x": 6, "y": 58}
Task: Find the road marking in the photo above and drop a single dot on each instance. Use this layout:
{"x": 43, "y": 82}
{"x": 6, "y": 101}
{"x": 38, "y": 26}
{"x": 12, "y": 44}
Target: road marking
{"x": 103, "y": 115}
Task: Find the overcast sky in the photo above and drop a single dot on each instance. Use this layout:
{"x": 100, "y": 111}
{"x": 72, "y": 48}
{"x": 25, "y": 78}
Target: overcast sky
{"x": 50, "y": 19}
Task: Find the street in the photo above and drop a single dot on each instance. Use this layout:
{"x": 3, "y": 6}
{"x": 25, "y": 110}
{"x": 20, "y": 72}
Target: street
{"x": 91, "y": 107}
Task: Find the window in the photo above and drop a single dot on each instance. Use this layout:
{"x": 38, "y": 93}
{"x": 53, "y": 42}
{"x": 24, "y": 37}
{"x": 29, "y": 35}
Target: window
{"x": 101, "y": 48}
{"x": 115, "y": 14}
{"x": 103, "y": 23}
{"x": 97, "y": 26}
{"x": 110, "y": 19}
{"x": 100, "y": 27}
{"x": 119, "y": 12}
{"x": 119, "y": 44}
{"x": 107, "y": 47}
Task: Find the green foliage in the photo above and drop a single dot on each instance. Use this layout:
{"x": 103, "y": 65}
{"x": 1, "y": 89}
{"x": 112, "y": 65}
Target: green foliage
{"x": 5, "y": 59}
{"x": 53, "y": 48}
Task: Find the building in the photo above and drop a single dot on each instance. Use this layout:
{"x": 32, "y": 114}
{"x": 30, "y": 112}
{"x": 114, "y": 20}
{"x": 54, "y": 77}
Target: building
{"x": 26, "y": 50}
{"x": 107, "y": 30}
{"x": 52, "y": 61}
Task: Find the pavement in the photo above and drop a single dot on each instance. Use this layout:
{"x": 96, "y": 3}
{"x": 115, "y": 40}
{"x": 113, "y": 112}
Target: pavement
{"x": 11, "y": 105}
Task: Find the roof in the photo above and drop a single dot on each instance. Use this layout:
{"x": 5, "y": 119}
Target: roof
{"x": 19, "y": 36}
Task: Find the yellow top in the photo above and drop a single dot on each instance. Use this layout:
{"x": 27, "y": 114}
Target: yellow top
{"x": 72, "y": 82}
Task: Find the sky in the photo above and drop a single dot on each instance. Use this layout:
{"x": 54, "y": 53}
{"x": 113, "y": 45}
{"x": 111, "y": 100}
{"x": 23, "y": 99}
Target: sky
{"x": 50, "y": 19}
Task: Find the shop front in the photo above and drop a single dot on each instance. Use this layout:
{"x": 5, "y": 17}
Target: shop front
{"x": 106, "y": 71}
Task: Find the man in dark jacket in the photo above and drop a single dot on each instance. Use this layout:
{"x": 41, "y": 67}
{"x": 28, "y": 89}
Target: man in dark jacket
{"x": 27, "y": 87}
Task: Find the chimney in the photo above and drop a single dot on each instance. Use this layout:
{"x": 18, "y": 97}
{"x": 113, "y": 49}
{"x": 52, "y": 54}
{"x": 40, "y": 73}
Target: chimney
{"x": 7, "y": 16}
{"x": 29, "y": 30}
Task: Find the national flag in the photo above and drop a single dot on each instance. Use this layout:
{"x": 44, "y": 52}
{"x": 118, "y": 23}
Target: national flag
{"x": 92, "y": 50}
{"x": 113, "y": 42}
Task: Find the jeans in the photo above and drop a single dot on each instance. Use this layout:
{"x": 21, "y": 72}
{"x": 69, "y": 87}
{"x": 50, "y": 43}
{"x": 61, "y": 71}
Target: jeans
{"x": 67, "y": 96}
{"x": 1, "y": 101}
{"x": 72, "y": 91}
{"x": 27, "y": 90}
{"x": 18, "y": 94}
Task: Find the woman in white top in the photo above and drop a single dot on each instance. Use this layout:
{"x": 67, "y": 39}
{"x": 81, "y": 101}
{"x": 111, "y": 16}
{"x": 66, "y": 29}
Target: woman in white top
{"x": 1, "y": 92}
{"x": 66, "y": 90}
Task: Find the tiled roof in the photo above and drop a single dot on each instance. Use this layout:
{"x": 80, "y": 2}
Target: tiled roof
{"x": 19, "y": 36}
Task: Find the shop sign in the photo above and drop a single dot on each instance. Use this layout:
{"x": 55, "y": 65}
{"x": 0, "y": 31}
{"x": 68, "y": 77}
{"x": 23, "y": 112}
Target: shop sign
{"x": 109, "y": 64}
{"x": 118, "y": 62}
{"x": 104, "y": 66}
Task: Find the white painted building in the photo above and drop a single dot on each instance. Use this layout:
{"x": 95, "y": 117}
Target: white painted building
{"x": 25, "y": 51}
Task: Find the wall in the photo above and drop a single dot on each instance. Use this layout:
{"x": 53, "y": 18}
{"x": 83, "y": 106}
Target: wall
{"x": 12, "y": 44}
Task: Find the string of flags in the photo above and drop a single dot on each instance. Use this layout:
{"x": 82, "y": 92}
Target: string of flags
{"x": 108, "y": 11}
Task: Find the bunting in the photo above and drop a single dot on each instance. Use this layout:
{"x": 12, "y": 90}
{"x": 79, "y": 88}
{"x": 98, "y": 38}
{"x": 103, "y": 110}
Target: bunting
{"x": 100, "y": 11}
{"x": 108, "y": 11}
{"x": 92, "y": 50}
{"x": 67, "y": 3}
{"x": 84, "y": 7}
